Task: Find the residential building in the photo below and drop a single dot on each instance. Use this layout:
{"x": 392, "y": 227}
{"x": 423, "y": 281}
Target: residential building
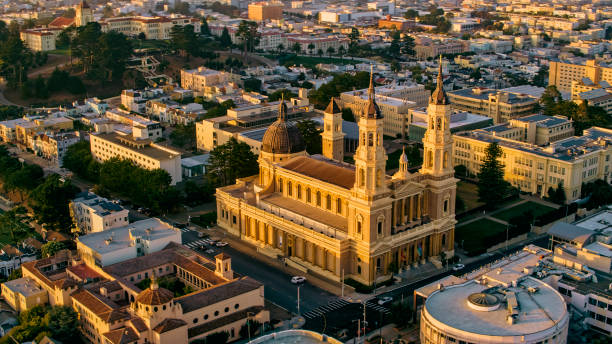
{"x": 139, "y": 126}
{"x": 202, "y": 78}
{"x": 26, "y": 129}
{"x": 317, "y": 213}
{"x": 157, "y": 27}
{"x": 38, "y": 40}
{"x": 92, "y": 213}
{"x": 571, "y": 161}
{"x": 53, "y": 146}
{"x": 561, "y": 74}
{"x": 434, "y": 49}
{"x": 136, "y": 100}
{"x": 11, "y": 257}
{"x": 499, "y": 105}
{"x": 320, "y": 42}
{"x": 395, "y": 103}
{"x": 23, "y": 294}
{"x": 118, "y": 244}
{"x": 139, "y": 149}
{"x": 598, "y": 97}
{"x": 397, "y": 23}
{"x": 265, "y": 10}
{"x": 114, "y": 305}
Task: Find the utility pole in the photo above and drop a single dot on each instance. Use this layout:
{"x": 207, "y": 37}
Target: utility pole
{"x": 342, "y": 282}
{"x": 364, "y": 317}
{"x": 298, "y": 299}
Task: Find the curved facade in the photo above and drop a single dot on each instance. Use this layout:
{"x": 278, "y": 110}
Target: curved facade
{"x": 527, "y": 311}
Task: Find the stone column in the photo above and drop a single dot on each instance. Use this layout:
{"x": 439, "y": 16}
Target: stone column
{"x": 419, "y": 200}
{"x": 411, "y": 209}
{"x": 403, "y": 211}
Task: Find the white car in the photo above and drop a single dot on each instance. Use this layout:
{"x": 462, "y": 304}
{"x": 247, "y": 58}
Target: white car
{"x": 221, "y": 244}
{"x": 298, "y": 279}
{"x": 458, "y": 267}
{"x": 384, "y": 300}
{"x": 210, "y": 251}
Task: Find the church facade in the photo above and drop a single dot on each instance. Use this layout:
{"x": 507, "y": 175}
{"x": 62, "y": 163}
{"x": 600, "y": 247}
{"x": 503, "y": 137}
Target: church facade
{"x": 337, "y": 219}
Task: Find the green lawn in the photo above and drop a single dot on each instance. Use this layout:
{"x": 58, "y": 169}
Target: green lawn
{"x": 537, "y": 209}
{"x": 469, "y": 194}
{"x": 479, "y": 235}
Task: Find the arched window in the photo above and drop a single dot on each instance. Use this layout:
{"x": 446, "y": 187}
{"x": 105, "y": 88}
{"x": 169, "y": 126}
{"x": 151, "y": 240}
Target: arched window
{"x": 289, "y": 188}
{"x": 445, "y": 161}
{"x": 299, "y": 191}
{"x": 439, "y": 123}
{"x": 319, "y": 198}
{"x": 328, "y": 202}
{"x": 359, "y": 227}
{"x": 443, "y": 240}
{"x": 370, "y": 139}
{"x": 280, "y": 185}
{"x": 359, "y": 269}
{"x": 430, "y": 158}
{"x": 338, "y": 205}
{"x": 361, "y": 177}
{"x": 308, "y": 195}
{"x": 380, "y": 228}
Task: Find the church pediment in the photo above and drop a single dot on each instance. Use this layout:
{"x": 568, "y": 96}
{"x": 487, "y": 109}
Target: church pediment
{"x": 407, "y": 188}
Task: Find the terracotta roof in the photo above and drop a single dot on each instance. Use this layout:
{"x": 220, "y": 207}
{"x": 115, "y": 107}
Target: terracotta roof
{"x": 121, "y": 335}
{"x": 222, "y": 256}
{"x": 61, "y": 22}
{"x": 205, "y": 297}
{"x": 106, "y": 309}
{"x": 84, "y": 272}
{"x": 156, "y": 296}
{"x": 220, "y": 322}
{"x": 322, "y": 170}
{"x": 169, "y": 325}
{"x": 11, "y": 250}
{"x": 56, "y": 236}
{"x": 138, "y": 325}
{"x": 34, "y": 243}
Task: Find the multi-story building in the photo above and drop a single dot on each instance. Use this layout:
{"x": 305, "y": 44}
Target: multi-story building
{"x": 38, "y": 40}
{"x": 118, "y": 244}
{"x": 321, "y": 42}
{"x": 157, "y": 27}
{"x": 499, "y": 105}
{"x": 83, "y": 14}
{"x": 397, "y": 23}
{"x": 265, "y": 10}
{"x": 202, "y": 78}
{"x": 561, "y": 74}
{"x": 571, "y": 161}
{"x": 26, "y": 130}
{"x": 141, "y": 127}
{"x": 394, "y": 102}
{"x": 53, "y": 146}
{"x": 140, "y": 150}
{"x": 437, "y": 48}
{"x": 135, "y": 100}
{"x": 92, "y": 213}
{"x": 459, "y": 121}
{"x": 332, "y": 217}
{"x": 23, "y": 294}
{"x": 127, "y": 303}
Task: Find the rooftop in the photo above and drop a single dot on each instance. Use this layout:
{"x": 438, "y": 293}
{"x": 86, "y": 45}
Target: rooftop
{"x": 24, "y": 286}
{"x": 145, "y": 148}
{"x": 483, "y": 94}
{"x": 99, "y": 205}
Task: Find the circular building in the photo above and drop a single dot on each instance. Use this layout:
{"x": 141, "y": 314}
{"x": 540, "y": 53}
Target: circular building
{"x": 282, "y": 140}
{"x": 527, "y": 311}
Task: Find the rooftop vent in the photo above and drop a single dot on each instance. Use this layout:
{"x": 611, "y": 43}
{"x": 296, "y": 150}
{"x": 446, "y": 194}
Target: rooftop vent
{"x": 483, "y": 302}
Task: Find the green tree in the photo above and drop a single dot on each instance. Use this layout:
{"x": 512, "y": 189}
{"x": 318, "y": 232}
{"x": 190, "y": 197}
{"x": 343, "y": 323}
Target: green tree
{"x": 320, "y": 52}
{"x": 247, "y": 31}
{"x": 252, "y": 85}
{"x": 540, "y": 79}
{"x": 78, "y": 159}
{"x": 475, "y": 74}
{"x": 225, "y": 39}
{"x": 204, "y": 29}
{"x": 282, "y": 93}
{"x": 185, "y": 40}
{"x": 280, "y": 47}
{"x": 50, "y": 203}
{"x": 13, "y": 222}
{"x": 184, "y": 136}
{"x": 330, "y": 51}
{"x": 395, "y": 47}
{"x": 408, "y": 45}
{"x": 411, "y": 14}
{"x": 311, "y": 136}
{"x": 311, "y": 47}
{"x": 230, "y": 161}
{"x": 15, "y": 60}
{"x": 557, "y": 195}
{"x": 51, "y": 248}
{"x": 492, "y": 188}
{"x": 353, "y": 40}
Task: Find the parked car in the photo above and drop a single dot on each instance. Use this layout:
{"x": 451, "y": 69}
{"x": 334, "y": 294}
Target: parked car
{"x": 210, "y": 251}
{"x": 458, "y": 267}
{"x": 221, "y": 244}
{"x": 298, "y": 279}
{"x": 383, "y": 300}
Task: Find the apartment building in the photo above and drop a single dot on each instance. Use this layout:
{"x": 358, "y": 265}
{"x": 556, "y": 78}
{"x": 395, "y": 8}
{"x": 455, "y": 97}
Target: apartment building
{"x": 201, "y": 79}
{"x": 562, "y": 74}
{"x": 141, "y": 151}
{"x": 26, "y": 129}
{"x": 499, "y": 105}
{"x": 114, "y": 305}
{"x": 23, "y": 294}
{"x": 157, "y": 27}
{"x": 265, "y": 10}
{"x": 92, "y": 213}
{"x": 397, "y": 23}
{"x": 321, "y": 42}
{"x": 136, "y": 100}
{"x": 53, "y": 146}
{"x": 436, "y": 48}
{"x": 38, "y": 40}
{"x": 395, "y": 103}
{"x": 121, "y": 243}
{"x": 532, "y": 168}
{"x": 141, "y": 127}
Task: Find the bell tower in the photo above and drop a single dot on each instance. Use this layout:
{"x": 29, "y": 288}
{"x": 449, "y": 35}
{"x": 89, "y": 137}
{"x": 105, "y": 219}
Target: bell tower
{"x": 370, "y": 156}
{"x": 84, "y": 14}
{"x": 332, "y": 135}
{"x": 437, "y": 142}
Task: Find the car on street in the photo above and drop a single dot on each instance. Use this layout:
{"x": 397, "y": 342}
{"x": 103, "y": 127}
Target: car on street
{"x": 210, "y": 251}
{"x": 458, "y": 267}
{"x": 221, "y": 244}
{"x": 383, "y": 300}
{"x": 298, "y": 279}
{"x": 200, "y": 235}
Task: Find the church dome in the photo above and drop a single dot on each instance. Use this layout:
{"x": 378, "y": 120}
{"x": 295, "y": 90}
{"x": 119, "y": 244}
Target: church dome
{"x": 282, "y": 137}
{"x": 154, "y": 295}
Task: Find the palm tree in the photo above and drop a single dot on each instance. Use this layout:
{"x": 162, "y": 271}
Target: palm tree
{"x": 280, "y": 48}
{"x": 296, "y": 48}
{"x": 330, "y": 51}
{"x": 341, "y": 52}
{"x": 320, "y": 52}
{"x": 311, "y": 48}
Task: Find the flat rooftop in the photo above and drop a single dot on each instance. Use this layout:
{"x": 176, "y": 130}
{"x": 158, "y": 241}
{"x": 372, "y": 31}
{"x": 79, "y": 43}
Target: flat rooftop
{"x": 537, "y": 311}
{"x": 598, "y": 222}
{"x": 483, "y": 94}
{"x": 24, "y": 286}
{"x": 122, "y": 237}
{"x": 145, "y": 147}
{"x": 99, "y": 205}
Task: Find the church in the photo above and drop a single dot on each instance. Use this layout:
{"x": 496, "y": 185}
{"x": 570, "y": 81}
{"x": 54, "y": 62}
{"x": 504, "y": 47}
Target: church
{"x": 339, "y": 220}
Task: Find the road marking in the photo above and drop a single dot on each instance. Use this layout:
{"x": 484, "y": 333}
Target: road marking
{"x": 197, "y": 243}
{"x": 330, "y": 307}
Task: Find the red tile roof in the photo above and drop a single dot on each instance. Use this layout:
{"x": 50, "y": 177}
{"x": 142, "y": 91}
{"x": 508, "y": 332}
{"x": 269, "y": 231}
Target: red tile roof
{"x": 61, "y": 22}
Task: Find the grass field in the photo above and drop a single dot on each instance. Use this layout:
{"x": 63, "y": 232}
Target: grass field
{"x": 475, "y": 235}
{"x": 537, "y": 209}
{"x": 469, "y": 194}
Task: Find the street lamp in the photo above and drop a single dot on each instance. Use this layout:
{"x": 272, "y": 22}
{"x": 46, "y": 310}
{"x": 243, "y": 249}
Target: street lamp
{"x": 298, "y": 299}
{"x": 249, "y": 324}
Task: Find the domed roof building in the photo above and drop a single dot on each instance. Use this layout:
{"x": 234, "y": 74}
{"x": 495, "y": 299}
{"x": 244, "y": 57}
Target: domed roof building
{"x": 283, "y": 139}
{"x": 154, "y": 295}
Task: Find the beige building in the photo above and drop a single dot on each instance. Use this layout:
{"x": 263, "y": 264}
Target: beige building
{"x": 53, "y": 147}
{"x": 156, "y": 27}
{"x": 571, "y": 161}
{"x": 200, "y": 79}
{"x": 92, "y": 213}
{"x": 26, "y": 130}
{"x": 337, "y": 219}
{"x": 38, "y": 40}
{"x": 395, "y": 103}
{"x": 437, "y": 48}
{"x": 23, "y": 294}
{"x": 265, "y": 10}
{"x": 84, "y": 14}
{"x": 500, "y": 105}
{"x": 141, "y": 151}
{"x": 562, "y": 74}
{"x": 114, "y": 306}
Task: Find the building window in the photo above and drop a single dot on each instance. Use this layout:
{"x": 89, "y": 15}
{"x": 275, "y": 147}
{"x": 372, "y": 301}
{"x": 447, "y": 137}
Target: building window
{"x": 361, "y": 177}
{"x": 445, "y": 205}
{"x": 318, "y": 198}
{"x": 236, "y": 306}
{"x": 370, "y": 139}
{"x": 339, "y": 205}
{"x": 299, "y": 191}
{"x": 359, "y": 227}
{"x": 216, "y": 313}
{"x": 308, "y": 195}
{"x": 289, "y": 189}
{"x": 205, "y": 316}
{"x": 280, "y": 185}
{"x": 195, "y": 320}
{"x": 380, "y": 226}
{"x": 328, "y": 202}
{"x": 226, "y": 309}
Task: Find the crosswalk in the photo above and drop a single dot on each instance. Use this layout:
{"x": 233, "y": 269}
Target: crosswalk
{"x": 373, "y": 304}
{"x": 332, "y": 306}
{"x": 186, "y": 230}
{"x": 198, "y": 243}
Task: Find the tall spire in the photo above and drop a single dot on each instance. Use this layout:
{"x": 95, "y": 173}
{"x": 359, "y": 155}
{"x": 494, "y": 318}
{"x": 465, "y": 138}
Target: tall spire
{"x": 372, "y": 110}
{"x": 371, "y": 91}
{"x": 438, "y": 97}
